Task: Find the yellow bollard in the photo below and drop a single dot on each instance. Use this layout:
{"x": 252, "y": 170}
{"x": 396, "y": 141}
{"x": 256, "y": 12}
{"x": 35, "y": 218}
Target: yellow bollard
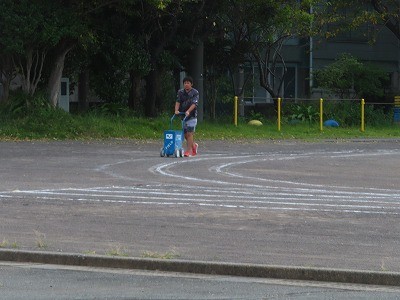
{"x": 396, "y": 101}
{"x": 321, "y": 114}
{"x": 235, "y": 117}
{"x": 279, "y": 114}
{"x": 362, "y": 115}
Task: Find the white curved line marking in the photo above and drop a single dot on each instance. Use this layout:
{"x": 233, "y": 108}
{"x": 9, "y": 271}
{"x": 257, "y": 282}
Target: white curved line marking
{"x": 163, "y": 170}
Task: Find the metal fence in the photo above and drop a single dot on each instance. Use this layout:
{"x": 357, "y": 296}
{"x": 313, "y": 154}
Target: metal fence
{"x": 322, "y": 112}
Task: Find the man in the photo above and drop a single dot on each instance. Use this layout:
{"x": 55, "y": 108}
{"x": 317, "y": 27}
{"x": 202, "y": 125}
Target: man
{"x": 186, "y": 102}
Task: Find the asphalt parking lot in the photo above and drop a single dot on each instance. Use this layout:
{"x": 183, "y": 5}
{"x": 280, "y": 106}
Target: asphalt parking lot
{"x": 331, "y": 204}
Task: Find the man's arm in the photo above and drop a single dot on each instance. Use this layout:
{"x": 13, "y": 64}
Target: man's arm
{"x": 190, "y": 109}
{"x": 177, "y": 105}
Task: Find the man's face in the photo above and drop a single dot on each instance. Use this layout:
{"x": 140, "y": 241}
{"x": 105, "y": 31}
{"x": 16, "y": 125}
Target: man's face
{"x": 187, "y": 85}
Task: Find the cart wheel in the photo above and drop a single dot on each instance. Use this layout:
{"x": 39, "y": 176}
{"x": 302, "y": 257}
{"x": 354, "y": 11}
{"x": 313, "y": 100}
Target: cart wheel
{"x": 176, "y": 153}
{"x": 162, "y": 152}
{"x": 181, "y": 152}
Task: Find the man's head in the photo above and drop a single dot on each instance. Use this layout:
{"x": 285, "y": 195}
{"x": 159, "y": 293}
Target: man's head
{"x": 188, "y": 78}
{"x": 187, "y": 83}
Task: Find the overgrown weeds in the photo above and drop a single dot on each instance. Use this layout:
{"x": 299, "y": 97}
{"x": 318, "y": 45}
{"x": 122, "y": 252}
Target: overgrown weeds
{"x": 157, "y": 255}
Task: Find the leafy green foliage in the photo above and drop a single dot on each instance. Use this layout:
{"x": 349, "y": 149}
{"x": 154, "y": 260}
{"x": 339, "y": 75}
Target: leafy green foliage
{"x": 130, "y": 37}
{"x": 256, "y": 116}
{"x": 30, "y": 31}
{"x": 301, "y": 113}
{"x": 33, "y": 118}
{"x": 120, "y": 52}
{"x": 348, "y": 113}
{"x": 111, "y": 109}
{"x": 55, "y": 124}
{"x": 22, "y": 105}
{"x": 348, "y": 78}
{"x": 35, "y": 25}
{"x": 258, "y": 30}
{"x": 347, "y": 15}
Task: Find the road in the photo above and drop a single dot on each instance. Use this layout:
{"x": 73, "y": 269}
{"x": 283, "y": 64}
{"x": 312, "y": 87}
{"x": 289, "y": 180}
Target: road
{"x": 333, "y": 204}
{"x": 48, "y": 282}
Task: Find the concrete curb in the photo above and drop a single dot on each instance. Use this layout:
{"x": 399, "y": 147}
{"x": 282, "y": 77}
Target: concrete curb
{"x": 200, "y": 267}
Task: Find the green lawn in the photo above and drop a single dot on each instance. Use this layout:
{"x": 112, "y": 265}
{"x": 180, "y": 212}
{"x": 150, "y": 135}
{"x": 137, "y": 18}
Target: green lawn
{"x": 63, "y": 126}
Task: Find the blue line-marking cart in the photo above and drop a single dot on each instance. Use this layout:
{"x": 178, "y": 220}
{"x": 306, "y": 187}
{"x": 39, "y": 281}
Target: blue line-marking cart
{"x": 173, "y": 140}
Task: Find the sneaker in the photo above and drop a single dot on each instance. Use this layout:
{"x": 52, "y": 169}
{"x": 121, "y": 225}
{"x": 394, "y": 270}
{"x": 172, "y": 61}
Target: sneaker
{"x": 186, "y": 154}
{"x": 194, "y": 149}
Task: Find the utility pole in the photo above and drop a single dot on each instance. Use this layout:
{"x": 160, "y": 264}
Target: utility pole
{"x": 239, "y": 89}
{"x": 196, "y": 71}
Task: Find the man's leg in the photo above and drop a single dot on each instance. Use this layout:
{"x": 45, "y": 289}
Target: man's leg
{"x": 190, "y": 127}
{"x": 189, "y": 141}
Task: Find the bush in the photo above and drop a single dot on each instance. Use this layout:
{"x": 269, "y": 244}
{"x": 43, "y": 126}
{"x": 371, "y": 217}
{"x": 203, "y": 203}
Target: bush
{"x": 348, "y": 113}
{"x": 301, "y": 113}
{"x": 26, "y": 116}
{"x": 349, "y": 78}
{"x": 21, "y": 105}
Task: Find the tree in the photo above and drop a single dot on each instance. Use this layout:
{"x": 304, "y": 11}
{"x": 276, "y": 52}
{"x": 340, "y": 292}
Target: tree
{"x": 353, "y": 14}
{"x": 260, "y": 28}
{"x": 119, "y": 61}
{"x": 7, "y": 74}
{"x": 388, "y": 12}
{"x": 159, "y": 26}
{"x": 150, "y": 27}
{"x": 35, "y": 32}
{"x": 348, "y": 78}
{"x": 196, "y": 27}
{"x": 130, "y": 45}
{"x": 23, "y": 41}
{"x": 30, "y": 30}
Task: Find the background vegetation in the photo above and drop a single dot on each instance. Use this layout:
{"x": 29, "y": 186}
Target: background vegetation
{"x": 299, "y": 121}
{"x": 129, "y": 53}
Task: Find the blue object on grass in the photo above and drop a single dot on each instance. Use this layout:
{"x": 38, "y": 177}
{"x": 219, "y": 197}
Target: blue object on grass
{"x": 396, "y": 116}
{"x": 331, "y": 123}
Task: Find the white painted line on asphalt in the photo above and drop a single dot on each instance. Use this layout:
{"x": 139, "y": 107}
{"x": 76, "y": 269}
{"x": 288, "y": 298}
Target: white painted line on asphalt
{"x": 224, "y": 198}
{"x": 164, "y": 168}
{"x": 230, "y": 194}
{"x": 217, "y": 199}
{"x": 351, "y": 197}
{"x": 220, "y": 168}
{"x": 186, "y": 202}
{"x": 320, "y": 195}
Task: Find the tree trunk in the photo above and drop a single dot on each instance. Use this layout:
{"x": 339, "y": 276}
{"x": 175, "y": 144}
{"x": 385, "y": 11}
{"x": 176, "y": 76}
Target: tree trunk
{"x": 156, "y": 45}
{"x": 6, "y": 76}
{"x": 5, "y": 92}
{"x": 214, "y": 93}
{"x": 151, "y": 94}
{"x": 30, "y": 67}
{"x": 83, "y": 91}
{"x": 134, "y": 91}
{"x": 196, "y": 70}
{"x": 55, "y": 76}
{"x": 158, "y": 89}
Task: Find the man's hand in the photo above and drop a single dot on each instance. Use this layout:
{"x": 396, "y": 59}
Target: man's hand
{"x": 177, "y": 112}
{"x": 187, "y": 113}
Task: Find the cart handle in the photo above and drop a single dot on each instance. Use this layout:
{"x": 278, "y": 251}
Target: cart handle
{"x": 175, "y": 115}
